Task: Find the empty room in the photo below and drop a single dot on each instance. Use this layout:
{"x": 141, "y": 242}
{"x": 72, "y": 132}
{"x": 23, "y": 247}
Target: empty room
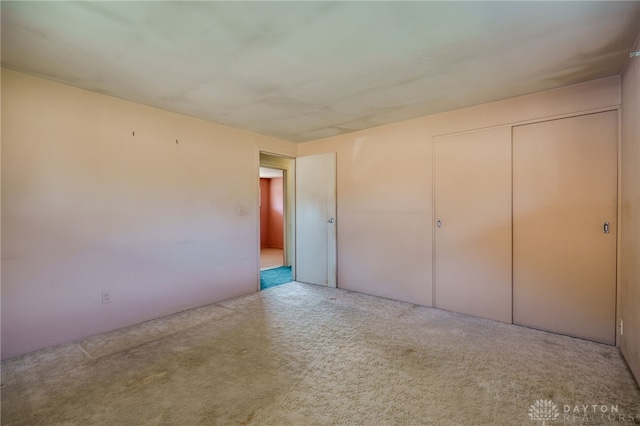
{"x": 451, "y": 191}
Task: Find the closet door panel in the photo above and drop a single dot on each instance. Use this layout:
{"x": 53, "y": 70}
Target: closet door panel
{"x": 564, "y": 191}
{"x": 472, "y": 265}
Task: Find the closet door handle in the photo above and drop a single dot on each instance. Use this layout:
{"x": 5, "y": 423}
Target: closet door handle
{"x": 605, "y": 227}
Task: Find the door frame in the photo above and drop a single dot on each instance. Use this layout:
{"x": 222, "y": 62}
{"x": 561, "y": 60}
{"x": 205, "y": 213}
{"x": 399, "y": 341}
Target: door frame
{"x": 286, "y": 163}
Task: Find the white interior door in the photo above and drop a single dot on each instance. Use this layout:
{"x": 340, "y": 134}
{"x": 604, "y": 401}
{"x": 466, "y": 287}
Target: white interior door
{"x": 473, "y": 223}
{"x": 564, "y": 225}
{"x": 316, "y": 219}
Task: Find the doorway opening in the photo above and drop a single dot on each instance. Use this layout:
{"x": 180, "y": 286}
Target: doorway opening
{"x": 275, "y": 205}
{"x": 271, "y": 218}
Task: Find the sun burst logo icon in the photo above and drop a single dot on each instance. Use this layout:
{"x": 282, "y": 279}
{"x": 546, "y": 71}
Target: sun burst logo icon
{"x": 544, "y": 410}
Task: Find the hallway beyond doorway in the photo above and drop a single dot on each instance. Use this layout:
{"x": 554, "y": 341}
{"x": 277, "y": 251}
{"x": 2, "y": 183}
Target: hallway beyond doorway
{"x": 271, "y": 258}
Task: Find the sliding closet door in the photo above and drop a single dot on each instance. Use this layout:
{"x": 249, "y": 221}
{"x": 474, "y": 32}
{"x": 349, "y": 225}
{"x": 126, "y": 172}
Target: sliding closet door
{"x": 564, "y": 225}
{"x": 473, "y": 223}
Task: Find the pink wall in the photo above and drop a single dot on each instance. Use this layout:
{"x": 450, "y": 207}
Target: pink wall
{"x": 276, "y": 208}
{"x": 87, "y": 207}
{"x": 265, "y": 203}
{"x": 385, "y": 186}
{"x": 629, "y": 297}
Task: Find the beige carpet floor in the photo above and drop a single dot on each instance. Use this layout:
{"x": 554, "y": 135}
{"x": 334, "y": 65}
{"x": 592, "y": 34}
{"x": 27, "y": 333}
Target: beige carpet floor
{"x": 306, "y": 355}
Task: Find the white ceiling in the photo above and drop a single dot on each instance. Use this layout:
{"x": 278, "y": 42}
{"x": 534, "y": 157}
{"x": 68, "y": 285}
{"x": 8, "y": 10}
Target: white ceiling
{"x": 301, "y": 71}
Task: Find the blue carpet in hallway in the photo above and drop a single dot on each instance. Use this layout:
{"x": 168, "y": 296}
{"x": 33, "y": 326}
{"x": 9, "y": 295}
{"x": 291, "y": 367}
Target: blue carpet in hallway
{"x": 276, "y": 276}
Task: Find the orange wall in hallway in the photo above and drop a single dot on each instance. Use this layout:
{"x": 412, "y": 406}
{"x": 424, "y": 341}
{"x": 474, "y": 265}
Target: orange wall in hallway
{"x": 265, "y": 197}
{"x": 271, "y": 213}
{"x": 276, "y": 209}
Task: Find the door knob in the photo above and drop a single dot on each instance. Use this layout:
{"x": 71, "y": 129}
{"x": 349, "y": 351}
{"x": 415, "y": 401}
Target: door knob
{"x": 331, "y": 220}
{"x": 439, "y": 224}
{"x": 605, "y": 227}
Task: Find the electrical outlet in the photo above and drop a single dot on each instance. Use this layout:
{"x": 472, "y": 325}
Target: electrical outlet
{"x": 106, "y": 297}
{"x": 621, "y": 327}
